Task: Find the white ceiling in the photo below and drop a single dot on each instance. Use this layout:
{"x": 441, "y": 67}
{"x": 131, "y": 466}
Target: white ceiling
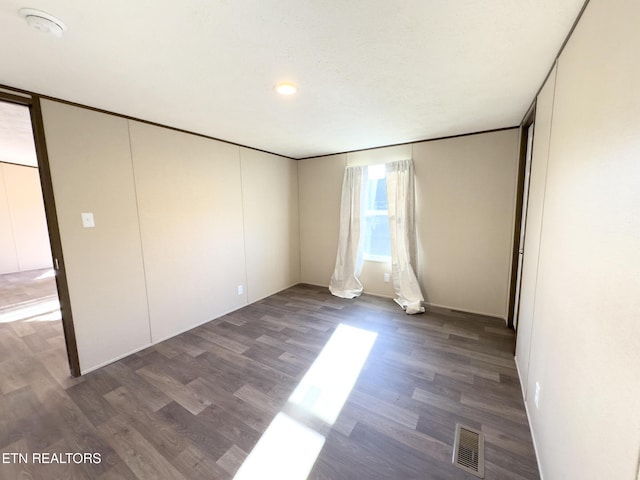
{"x": 369, "y": 72}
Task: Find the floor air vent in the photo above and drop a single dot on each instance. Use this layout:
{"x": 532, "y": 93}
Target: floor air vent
{"x": 468, "y": 450}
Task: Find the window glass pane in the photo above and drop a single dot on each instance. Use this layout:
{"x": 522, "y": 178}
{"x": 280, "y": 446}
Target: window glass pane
{"x": 377, "y": 236}
{"x": 380, "y": 195}
{"x": 377, "y": 239}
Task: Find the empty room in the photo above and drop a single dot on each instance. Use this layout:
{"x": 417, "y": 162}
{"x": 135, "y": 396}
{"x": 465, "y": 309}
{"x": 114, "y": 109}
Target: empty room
{"x": 324, "y": 240}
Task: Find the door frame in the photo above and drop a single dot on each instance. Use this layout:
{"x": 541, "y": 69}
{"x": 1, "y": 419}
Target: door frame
{"x": 522, "y": 160}
{"x": 37, "y": 125}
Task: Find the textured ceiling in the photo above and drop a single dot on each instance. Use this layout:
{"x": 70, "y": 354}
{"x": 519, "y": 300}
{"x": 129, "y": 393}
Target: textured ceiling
{"x": 369, "y": 72}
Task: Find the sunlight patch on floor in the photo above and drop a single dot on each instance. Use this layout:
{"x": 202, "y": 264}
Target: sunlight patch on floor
{"x": 32, "y": 310}
{"x": 288, "y": 449}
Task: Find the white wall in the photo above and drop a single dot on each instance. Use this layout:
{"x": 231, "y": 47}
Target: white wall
{"x": 320, "y": 186}
{"x": 91, "y": 171}
{"x": 24, "y": 239}
{"x": 8, "y": 254}
{"x": 177, "y": 216}
{"x": 465, "y": 189}
{"x": 537, "y": 185}
{"x": 270, "y": 205}
{"x": 585, "y": 339}
{"x": 465, "y": 193}
{"x": 190, "y": 210}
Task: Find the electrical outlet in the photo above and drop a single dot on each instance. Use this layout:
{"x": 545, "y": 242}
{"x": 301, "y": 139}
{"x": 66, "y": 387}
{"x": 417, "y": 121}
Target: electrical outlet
{"x": 240, "y": 289}
{"x": 387, "y": 278}
{"x": 536, "y": 399}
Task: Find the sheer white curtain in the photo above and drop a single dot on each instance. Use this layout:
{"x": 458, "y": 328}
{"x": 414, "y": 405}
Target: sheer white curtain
{"x": 401, "y": 207}
{"x": 344, "y": 281}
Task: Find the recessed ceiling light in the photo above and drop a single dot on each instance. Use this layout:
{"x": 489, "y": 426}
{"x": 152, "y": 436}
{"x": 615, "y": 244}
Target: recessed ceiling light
{"x": 286, "y": 89}
{"x": 43, "y": 21}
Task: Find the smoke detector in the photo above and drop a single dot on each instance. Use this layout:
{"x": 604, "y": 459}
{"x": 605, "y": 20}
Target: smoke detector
{"x": 43, "y": 21}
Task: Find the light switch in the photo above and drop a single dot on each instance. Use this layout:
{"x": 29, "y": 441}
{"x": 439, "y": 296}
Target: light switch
{"x": 87, "y": 220}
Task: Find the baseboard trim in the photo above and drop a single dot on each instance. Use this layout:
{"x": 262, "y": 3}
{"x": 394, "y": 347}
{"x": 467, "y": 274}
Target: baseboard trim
{"x": 196, "y": 325}
{"x": 427, "y": 304}
{"x": 526, "y": 409}
{"x": 464, "y": 310}
{"x": 272, "y": 293}
{"x": 113, "y": 360}
{"x": 522, "y": 386}
{"x": 379, "y": 295}
{"x": 156, "y": 342}
{"x": 160, "y": 340}
{"x": 327, "y": 286}
{"x": 302, "y": 282}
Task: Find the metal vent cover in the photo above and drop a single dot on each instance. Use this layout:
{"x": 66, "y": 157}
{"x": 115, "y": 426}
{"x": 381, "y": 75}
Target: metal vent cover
{"x": 468, "y": 450}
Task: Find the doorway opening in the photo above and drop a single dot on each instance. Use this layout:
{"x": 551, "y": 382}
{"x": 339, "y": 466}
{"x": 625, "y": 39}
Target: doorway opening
{"x": 527, "y": 130}
{"x": 35, "y": 319}
{"x": 523, "y": 222}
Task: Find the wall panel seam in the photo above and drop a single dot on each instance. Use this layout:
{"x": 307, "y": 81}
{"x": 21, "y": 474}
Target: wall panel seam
{"x": 144, "y": 268}
{"x": 244, "y": 229}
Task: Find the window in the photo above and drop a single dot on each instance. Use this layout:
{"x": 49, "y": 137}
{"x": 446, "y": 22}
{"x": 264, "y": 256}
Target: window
{"x": 377, "y": 237}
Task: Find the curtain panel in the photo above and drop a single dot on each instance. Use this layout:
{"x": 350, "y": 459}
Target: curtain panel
{"x": 401, "y": 208}
{"x": 401, "y": 211}
{"x": 344, "y": 281}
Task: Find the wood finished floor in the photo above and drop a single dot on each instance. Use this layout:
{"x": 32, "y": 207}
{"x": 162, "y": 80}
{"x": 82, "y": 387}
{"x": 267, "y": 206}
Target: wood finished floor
{"x": 194, "y": 406}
